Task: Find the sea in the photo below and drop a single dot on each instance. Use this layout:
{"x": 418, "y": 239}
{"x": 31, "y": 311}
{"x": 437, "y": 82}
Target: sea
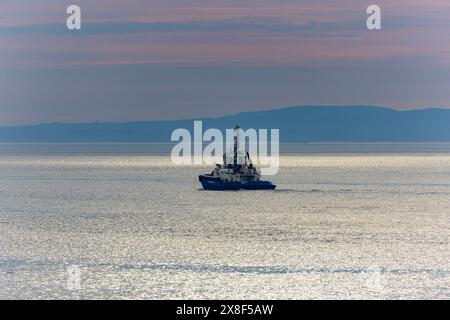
{"x": 121, "y": 221}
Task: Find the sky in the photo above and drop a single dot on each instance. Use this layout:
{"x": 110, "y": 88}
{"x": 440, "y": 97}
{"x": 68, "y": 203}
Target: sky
{"x": 173, "y": 59}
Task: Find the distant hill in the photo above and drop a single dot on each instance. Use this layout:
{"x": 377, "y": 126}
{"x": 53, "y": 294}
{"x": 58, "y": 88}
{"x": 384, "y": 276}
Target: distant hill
{"x": 296, "y": 124}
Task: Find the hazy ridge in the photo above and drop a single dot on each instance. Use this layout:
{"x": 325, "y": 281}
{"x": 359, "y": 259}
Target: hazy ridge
{"x": 296, "y": 124}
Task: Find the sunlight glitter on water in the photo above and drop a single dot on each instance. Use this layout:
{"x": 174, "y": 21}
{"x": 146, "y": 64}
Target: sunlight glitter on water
{"x": 306, "y": 160}
{"x": 140, "y": 227}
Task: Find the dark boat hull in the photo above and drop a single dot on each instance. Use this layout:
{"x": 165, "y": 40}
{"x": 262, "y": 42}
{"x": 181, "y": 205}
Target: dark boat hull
{"x": 212, "y": 183}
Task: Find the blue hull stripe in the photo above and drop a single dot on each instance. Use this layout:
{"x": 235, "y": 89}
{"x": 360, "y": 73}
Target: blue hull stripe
{"x": 210, "y": 183}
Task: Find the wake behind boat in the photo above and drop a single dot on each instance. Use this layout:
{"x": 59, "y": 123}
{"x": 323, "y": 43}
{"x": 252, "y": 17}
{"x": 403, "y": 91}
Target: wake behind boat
{"x": 235, "y": 175}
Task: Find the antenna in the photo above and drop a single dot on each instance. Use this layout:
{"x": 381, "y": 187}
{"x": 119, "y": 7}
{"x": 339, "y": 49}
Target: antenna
{"x": 236, "y": 144}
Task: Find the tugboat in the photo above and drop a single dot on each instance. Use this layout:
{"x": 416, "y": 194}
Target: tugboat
{"x": 235, "y": 176}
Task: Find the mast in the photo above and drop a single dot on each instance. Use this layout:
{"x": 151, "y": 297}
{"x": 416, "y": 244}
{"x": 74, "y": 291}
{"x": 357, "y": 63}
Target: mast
{"x": 248, "y": 157}
{"x": 236, "y": 145}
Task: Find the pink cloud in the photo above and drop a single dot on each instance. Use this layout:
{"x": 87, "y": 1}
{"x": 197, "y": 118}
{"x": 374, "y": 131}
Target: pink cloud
{"x": 334, "y": 45}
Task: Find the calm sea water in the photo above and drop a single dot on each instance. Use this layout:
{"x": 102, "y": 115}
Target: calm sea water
{"x": 120, "y": 221}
